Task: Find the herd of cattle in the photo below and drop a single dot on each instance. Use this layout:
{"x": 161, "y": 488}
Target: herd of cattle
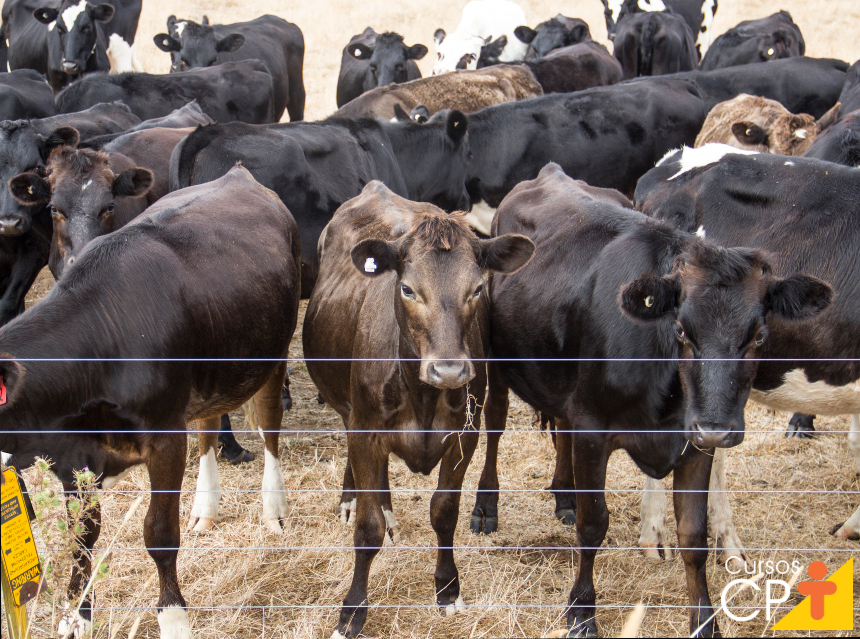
{"x": 651, "y": 252}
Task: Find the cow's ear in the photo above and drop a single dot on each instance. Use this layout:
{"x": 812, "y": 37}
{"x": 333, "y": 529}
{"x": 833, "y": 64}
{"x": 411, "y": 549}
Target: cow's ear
{"x": 30, "y": 189}
{"x": 829, "y": 118}
{"x": 579, "y": 33}
{"x": 798, "y": 297}
{"x": 132, "y": 183}
{"x": 46, "y": 15}
{"x": 650, "y": 297}
{"x": 102, "y": 13}
{"x": 749, "y": 133}
{"x": 507, "y": 253}
{"x": 416, "y": 52}
{"x": 205, "y": 21}
{"x": 171, "y": 21}
{"x": 359, "y": 51}
{"x": 456, "y": 126}
{"x": 63, "y": 136}
{"x": 230, "y": 43}
{"x": 439, "y": 36}
{"x": 419, "y": 114}
{"x": 399, "y": 114}
{"x": 494, "y": 49}
{"x": 167, "y": 43}
{"x": 11, "y": 373}
{"x": 525, "y": 34}
{"x": 373, "y": 257}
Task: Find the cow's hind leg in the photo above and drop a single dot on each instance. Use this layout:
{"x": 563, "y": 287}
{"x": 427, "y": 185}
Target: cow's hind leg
{"x": 270, "y": 412}
{"x": 485, "y": 515}
{"x": 720, "y": 521}
{"x": 563, "y": 485}
{"x": 391, "y": 524}
{"x": 444, "y": 509}
{"x": 348, "y": 500}
{"x": 231, "y": 450}
{"x": 654, "y": 531}
{"x": 801, "y": 425}
{"x": 205, "y": 509}
{"x": 851, "y": 528}
{"x": 691, "y": 480}
{"x": 166, "y": 466}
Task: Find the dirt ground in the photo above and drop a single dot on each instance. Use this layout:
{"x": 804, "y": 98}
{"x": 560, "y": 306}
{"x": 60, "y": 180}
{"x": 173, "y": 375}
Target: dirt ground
{"x": 241, "y": 581}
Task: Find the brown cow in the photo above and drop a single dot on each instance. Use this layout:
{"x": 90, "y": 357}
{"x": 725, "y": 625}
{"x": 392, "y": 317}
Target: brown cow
{"x": 401, "y": 290}
{"x": 466, "y": 91}
{"x": 758, "y": 124}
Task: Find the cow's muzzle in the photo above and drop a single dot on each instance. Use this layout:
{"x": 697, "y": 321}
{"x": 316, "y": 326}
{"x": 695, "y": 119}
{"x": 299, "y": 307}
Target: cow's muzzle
{"x": 70, "y": 67}
{"x": 447, "y": 373}
{"x": 12, "y": 226}
{"x": 710, "y": 435}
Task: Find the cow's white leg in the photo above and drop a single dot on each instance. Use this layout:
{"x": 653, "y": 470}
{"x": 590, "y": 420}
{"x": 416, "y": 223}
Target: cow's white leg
{"x": 73, "y": 625}
{"x": 851, "y": 528}
{"x": 275, "y": 507}
{"x": 458, "y": 606}
{"x": 208, "y": 494}
{"x": 720, "y": 522}
{"x": 347, "y": 512}
{"x": 655, "y": 533}
{"x": 173, "y": 623}
{"x": 392, "y": 526}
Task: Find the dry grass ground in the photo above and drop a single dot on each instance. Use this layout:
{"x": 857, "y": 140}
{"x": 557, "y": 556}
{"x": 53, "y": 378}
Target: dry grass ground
{"x": 249, "y": 583}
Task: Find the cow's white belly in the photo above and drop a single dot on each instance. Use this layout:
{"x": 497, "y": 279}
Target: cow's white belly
{"x": 798, "y": 395}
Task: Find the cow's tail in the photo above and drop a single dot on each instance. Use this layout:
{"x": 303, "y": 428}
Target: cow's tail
{"x": 645, "y": 58}
{"x": 183, "y": 156}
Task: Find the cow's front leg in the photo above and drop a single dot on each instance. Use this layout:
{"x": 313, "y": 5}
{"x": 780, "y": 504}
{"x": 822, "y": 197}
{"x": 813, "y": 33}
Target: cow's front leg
{"x": 562, "y": 486}
{"x": 348, "y": 501}
{"x": 485, "y": 515}
{"x": 366, "y": 464}
{"x": 590, "y": 454}
{"x": 691, "y": 480}
{"x": 851, "y": 528}
{"x": 444, "y": 509}
{"x": 166, "y": 466}
{"x": 204, "y": 512}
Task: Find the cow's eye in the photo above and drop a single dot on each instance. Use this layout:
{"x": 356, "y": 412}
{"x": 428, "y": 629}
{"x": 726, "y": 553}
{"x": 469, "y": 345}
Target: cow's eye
{"x": 407, "y": 292}
{"x": 53, "y": 210}
{"x": 478, "y": 290}
{"x": 761, "y": 336}
{"x": 679, "y": 333}
{"x": 111, "y": 207}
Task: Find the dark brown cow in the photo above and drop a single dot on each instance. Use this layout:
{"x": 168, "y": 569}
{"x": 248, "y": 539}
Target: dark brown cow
{"x": 155, "y": 291}
{"x": 400, "y": 289}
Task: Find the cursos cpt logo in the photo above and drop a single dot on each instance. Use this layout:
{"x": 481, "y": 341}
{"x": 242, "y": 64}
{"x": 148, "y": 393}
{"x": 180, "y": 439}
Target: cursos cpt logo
{"x": 828, "y": 605}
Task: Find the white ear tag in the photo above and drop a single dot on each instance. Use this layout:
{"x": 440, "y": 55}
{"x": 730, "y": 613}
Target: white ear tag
{"x": 369, "y": 265}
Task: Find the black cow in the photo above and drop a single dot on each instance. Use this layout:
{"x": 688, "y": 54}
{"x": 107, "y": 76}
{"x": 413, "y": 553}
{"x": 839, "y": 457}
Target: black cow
{"x": 316, "y": 167}
{"x": 608, "y": 286}
{"x": 606, "y": 136}
{"x": 156, "y": 291}
{"x": 551, "y": 34}
{"x": 273, "y": 40}
{"x": 373, "y": 60}
{"x": 777, "y": 205}
{"x": 698, "y": 14}
{"x": 233, "y": 91}
{"x": 771, "y": 38}
{"x": 187, "y": 116}
{"x": 800, "y": 84}
{"x": 839, "y": 143}
{"x": 25, "y": 232}
{"x": 654, "y": 43}
{"x": 62, "y": 41}
{"x": 850, "y": 96}
{"x": 24, "y": 94}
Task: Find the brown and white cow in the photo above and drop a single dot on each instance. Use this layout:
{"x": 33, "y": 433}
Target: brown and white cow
{"x": 128, "y": 347}
{"x": 758, "y": 124}
{"x": 400, "y": 303}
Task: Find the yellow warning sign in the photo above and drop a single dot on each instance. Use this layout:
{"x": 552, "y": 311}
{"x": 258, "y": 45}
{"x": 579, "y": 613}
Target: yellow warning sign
{"x": 20, "y": 559}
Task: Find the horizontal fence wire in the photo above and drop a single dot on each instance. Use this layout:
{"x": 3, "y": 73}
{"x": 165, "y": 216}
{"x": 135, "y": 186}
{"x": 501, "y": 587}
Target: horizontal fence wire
{"x": 340, "y": 360}
{"x": 372, "y": 606}
{"x": 434, "y": 547}
{"x": 240, "y": 491}
{"x": 375, "y": 431}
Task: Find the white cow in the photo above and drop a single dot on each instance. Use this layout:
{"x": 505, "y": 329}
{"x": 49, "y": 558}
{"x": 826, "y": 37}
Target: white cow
{"x": 482, "y": 22}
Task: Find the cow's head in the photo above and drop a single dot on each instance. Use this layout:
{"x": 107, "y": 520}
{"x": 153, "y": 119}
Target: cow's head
{"x": 81, "y": 190}
{"x": 720, "y": 300}
{"x": 456, "y": 51}
{"x": 193, "y": 46}
{"x": 441, "y": 269}
{"x": 23, "y": 149}
{"x": 556, "y": 33}
{"x": 387, "y": 59}
{"x": 77, "y": 25}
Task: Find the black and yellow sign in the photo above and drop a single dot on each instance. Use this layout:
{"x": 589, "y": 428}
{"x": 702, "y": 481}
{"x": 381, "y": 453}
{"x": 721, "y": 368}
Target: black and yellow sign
{"x": 17, "y": 548}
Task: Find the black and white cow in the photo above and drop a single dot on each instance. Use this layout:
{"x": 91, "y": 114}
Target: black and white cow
{"x": 551, "y": 34}
{"x": 63, "y": 42}
{"x": 605, "y": 136}
{"x": 373, "y": 60}
{"x": 120, "y": 33}
{"x": 233, "y": 91}
{"x": 850, "y": 96}
{"x": 24, "y": 94}
{"x": 279, "y": 44}
{"x": 771, "y": 203}
{"x": 751, "y": 41}
{"x": 654, "y": 43}
{"x": 698, "y": 14}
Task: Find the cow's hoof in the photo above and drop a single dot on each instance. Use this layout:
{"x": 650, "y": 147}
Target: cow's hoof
{"x": 74, "y": 625}
{"x": 734, "y": 563}
{"x": 453, "y": 608}
{"x": 243, "y": 457}
{"x": 801, "y": 426}
{"x": 583, "y": 628}
{"x": 567, "y": 516}
{"x": 200, "y": 524}
{"x": 844, "y": 531}
{"x": 656, "y": 552}
{"x": 481, "y": 524}
{"x": 273, "y": 525}
{"x": 173, "y": 623}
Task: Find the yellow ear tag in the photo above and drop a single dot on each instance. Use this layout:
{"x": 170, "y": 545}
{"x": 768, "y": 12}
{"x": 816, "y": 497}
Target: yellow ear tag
{"x": 31, "y": 190}
{"x": 649, "y": 301}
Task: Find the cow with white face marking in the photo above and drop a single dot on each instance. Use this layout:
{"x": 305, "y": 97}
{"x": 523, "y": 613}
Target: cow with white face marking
{"x": 766, "y": 202}
{"x": 483, "y": 21}
{"x": 698, "y": 14}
